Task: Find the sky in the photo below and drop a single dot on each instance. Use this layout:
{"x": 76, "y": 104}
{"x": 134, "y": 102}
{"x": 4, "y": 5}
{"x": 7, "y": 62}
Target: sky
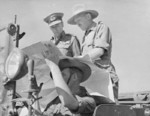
{"x": 128, "y": 20}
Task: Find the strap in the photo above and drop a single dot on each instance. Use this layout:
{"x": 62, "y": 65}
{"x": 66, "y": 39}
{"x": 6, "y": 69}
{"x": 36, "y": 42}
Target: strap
{"x": 96, "y": 31}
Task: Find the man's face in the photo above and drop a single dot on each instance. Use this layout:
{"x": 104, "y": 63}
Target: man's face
{"x": 73, "y": 82}
{"x": 66, "y": 75}
{"x": 57, "y": 29}
{"x": 82, "y": 21}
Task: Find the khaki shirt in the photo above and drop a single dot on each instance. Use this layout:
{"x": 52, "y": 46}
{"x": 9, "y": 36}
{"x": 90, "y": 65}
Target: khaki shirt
{"x": 67, "y": 44}
{"x": 99, "y": 37}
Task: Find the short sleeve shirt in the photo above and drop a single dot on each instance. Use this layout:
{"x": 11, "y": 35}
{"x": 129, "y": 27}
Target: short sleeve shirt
{"x": 67, "y": 44}
{"x": 98, "y": 37}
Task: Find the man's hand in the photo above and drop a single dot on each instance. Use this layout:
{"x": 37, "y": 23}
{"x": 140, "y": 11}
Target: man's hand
{"x": 61, "y": 110}
{"x": 83, "y": 57}
{"x": 51, "y": 52}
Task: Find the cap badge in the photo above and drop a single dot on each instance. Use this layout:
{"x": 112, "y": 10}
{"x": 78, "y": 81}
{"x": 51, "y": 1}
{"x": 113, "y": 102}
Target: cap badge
{"x": 52, "y": 18}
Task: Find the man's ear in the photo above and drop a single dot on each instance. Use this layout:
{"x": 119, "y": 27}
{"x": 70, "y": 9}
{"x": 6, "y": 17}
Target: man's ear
{"x": 62, "y": 24}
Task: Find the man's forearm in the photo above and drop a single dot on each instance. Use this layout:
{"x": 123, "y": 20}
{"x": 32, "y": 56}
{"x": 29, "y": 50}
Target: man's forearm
{"x": 64, "y": 92}
{"x": 95, "y": 53}
{"x": 62, "y": 88}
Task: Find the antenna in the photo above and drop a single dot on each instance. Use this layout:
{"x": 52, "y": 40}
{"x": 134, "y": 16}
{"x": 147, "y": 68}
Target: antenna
{"x": 15, "y": 21}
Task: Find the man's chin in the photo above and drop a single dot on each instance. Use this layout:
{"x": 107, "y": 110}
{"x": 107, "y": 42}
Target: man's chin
{"x": 83, "y": 29}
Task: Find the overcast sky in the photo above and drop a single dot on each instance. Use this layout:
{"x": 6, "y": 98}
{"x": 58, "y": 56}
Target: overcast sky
{"x": 129, "y": 22}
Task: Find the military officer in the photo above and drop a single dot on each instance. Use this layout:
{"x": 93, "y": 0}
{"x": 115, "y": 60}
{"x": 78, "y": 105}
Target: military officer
{"x": 68, "y": 44}
{"x": 97, "y": 41}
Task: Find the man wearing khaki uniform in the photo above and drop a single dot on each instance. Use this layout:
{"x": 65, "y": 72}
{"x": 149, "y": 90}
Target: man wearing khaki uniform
{"x": 97, "y": 41}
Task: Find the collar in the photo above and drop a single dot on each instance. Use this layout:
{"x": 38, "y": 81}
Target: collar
{"x": 93, "y": 28}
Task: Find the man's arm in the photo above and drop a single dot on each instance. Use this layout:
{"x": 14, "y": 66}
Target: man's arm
{"x": 75, "y": 46}
{"x": 95, "y": 53}
{"x": 102, "y": 42}
{"x": 63, "y": 90}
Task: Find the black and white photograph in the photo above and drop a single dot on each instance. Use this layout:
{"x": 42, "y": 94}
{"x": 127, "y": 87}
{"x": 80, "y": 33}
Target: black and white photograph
{"x": 74, "y": 58}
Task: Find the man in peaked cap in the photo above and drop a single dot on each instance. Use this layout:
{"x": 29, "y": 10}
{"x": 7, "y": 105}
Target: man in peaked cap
{"x": 97, "y": 40}
{"x": 68, "y": 44}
